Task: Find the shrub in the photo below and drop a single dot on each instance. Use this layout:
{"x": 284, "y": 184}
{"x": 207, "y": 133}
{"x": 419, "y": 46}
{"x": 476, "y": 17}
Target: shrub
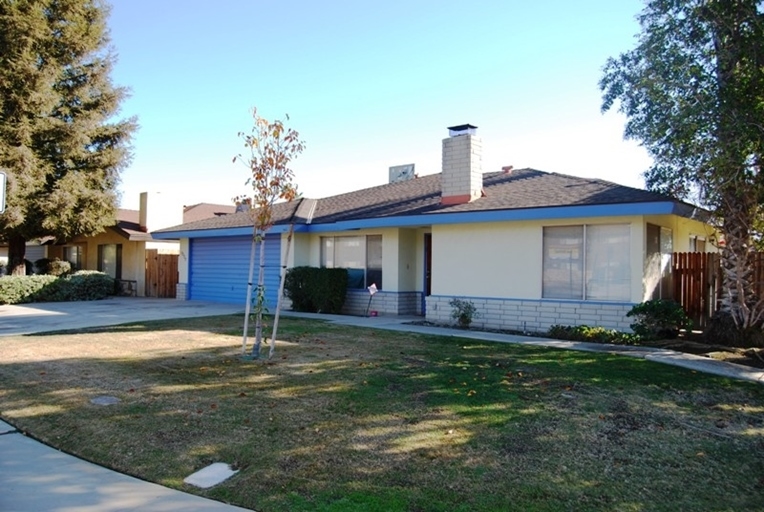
{"x": 83, "y": 285}
{"x": 21, "y": 289}
{"x": 90, "y": 285}
{"x": 316, "y": 290}
{"x": 463, "y": 311}
{"x": 591, "y": 334}
{"x": 658, "y": 319}
{"x": 54, "y": 267}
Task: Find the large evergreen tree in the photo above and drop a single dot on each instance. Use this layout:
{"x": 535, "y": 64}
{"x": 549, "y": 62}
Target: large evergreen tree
{"x": 693, "y": 94}
{"x": 59, "y": 142}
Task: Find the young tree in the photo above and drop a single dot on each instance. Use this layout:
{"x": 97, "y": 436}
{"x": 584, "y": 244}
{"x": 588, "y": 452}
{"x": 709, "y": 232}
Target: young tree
{"x": 59, "y": 144}
{"x": 693, "y": 94}
{"x": 270, "y": 149}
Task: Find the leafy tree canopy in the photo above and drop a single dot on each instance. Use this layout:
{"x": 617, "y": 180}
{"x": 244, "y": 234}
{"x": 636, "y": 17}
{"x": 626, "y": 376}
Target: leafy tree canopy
{"x": 59, "y": 142}
{"x": 693, "y": 93}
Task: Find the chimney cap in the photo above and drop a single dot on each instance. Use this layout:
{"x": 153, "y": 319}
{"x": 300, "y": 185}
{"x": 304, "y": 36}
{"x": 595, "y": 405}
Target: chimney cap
{"x": 462, "y": 129}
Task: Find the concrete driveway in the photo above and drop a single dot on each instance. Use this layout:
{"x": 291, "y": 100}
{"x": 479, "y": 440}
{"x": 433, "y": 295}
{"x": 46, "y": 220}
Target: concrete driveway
{"x": 54, "y": 316}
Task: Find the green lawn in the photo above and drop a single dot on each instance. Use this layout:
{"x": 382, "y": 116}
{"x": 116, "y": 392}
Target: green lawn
{"x": 345, "y": 419}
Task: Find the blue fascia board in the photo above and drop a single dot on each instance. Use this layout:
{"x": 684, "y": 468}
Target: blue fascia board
{"x": 432, "y": 219}
{"x": 556, "y": 212}
{"x": 224, "y": 232}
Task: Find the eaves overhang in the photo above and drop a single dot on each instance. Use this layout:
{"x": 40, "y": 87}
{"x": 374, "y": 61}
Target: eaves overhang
{"x": 223, "y": 232}
{"x": 454, "y": 218}
{"x": 525, "y": 214}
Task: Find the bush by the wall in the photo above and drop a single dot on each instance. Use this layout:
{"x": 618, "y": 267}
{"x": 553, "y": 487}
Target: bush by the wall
{"x": 90, "y": 285}
{"x": 658, "y": 319}
{"x": 591, "y": 334}
{"x": 463, "y": 311}
{"x": 54, "y": 267}
{"x": 316, "y": 290}
{"x": 83, "y": 285}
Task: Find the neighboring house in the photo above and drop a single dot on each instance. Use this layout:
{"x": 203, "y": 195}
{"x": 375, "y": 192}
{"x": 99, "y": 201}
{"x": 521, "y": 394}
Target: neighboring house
{"x": 530, "y": 249}
{"x": 202, "y": 211}
{"x": 121, "y": 251}
{"x": 35, "y": 250}
{"x": 127, "y": 251}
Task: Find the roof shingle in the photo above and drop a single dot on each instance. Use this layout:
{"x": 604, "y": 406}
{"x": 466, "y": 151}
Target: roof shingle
{"x": 520, "y": 189}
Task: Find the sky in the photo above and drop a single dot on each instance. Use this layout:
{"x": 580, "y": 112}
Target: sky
{"x": 368, "y": 85}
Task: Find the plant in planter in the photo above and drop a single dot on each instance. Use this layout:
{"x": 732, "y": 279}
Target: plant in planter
{"x": 463, "y": 311}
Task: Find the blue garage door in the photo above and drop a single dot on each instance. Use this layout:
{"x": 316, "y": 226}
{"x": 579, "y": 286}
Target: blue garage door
{"x": 219, "y": 269}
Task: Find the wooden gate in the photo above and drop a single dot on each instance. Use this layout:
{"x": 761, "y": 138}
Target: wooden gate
{"x": 697, "y": 280}
{"x": 161, "y": 274}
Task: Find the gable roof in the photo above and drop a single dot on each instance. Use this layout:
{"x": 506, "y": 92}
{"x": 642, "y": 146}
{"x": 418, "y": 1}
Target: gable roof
{"x": 520, "y": 190}
{"x": 128, "y": 225}
{"x": 201, "y": 211}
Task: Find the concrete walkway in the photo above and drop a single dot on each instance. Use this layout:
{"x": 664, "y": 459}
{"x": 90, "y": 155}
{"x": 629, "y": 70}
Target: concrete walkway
{"x": 57, "y": 316}
{"x": 37, "y": 477}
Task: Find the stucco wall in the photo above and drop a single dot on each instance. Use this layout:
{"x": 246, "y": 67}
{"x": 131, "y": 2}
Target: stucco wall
{"x": 682, "y": 229}
{"x": 133, "y": 256}
{"x": 500, "y": 260}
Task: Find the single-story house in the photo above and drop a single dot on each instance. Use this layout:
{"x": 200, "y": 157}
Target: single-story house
{"x": 529, "y": 248}
{"x": 123, "y": 250}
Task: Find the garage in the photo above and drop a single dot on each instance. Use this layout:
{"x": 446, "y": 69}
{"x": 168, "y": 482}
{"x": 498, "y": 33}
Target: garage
{"x": 219, "y": 268}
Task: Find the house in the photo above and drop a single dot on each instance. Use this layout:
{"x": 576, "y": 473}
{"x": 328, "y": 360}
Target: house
{"x": 529, "y": 248}
{"x": 35, "y": 250}
{"x": 126, "y": 249}
{"x": 201, "y": 211}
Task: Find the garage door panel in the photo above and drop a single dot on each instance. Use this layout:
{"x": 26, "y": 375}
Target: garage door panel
{"x": 219, "y": 268}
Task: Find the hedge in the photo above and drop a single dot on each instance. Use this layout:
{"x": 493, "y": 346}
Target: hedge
{"x": 82, "y": 285}
{"x": 316, "y": 290}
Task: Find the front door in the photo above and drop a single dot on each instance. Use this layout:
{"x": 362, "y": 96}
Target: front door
{"x": 427, "y": 271}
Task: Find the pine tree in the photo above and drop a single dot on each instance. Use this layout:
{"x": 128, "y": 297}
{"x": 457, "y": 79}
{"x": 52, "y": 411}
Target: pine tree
{"x": 59, "y": 143}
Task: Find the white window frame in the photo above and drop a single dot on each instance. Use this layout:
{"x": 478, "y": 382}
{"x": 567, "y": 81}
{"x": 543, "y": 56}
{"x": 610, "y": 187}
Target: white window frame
{"x": 371, "y": 271}
{"x": 587, "y": 274}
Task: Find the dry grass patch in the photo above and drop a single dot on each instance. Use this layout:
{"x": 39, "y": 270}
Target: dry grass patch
{"x": 347, "y": 419}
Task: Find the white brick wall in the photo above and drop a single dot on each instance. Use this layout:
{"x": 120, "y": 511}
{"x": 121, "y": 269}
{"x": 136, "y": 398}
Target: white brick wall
{"x": 181, "y": 292}
{"x": 384, "y": 303}
{"x": 533, "y": 316}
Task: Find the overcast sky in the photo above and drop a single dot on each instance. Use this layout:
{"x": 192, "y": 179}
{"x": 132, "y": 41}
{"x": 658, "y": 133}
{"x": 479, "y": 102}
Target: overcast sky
{"x": 368, "y": 85}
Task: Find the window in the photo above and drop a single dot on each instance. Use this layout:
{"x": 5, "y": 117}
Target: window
{"x": 697, "y": 244}
{"x": 360, "y": 255}
{"x": 589, "y": 262}
{"x": 73, "y": 254}
{"x": 110, "y": 260}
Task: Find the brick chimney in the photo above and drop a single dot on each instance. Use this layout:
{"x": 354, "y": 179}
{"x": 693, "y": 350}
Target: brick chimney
{"x": 462, "y": 178}
{"x": 159, "y": 211}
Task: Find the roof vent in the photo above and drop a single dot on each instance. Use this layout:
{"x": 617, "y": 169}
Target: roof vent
{"x": 462, "y": 129}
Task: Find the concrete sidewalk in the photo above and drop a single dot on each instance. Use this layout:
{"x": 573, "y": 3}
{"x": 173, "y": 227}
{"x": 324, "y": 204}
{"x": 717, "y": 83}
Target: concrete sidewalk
{"x": 57, "y": 316}
{"x": 37, "y": 477}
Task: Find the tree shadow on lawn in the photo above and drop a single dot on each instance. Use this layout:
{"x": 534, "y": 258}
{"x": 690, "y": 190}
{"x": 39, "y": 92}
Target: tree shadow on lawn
{"x": 223, "y": 324}
{"x": 347, "y": 419}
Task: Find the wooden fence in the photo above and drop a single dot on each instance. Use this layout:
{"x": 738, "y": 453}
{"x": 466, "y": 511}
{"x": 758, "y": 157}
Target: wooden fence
{"x": 697, "y": 282}
{"x": 161, "y": 274}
